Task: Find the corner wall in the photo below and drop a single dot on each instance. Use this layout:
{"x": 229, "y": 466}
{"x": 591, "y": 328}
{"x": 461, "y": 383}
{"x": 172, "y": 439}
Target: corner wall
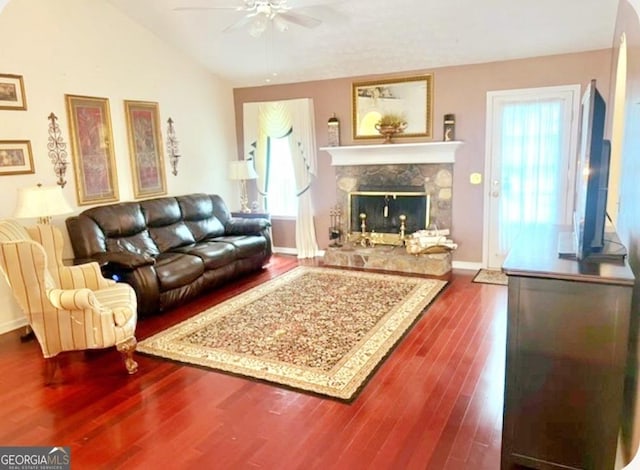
{"x": 89, "y": 48}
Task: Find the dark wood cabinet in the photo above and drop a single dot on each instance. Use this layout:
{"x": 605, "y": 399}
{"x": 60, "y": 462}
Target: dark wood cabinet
{"x": 567, "y": 335}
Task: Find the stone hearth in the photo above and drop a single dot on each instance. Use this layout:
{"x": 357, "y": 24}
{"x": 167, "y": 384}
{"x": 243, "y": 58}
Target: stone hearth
{"x": 388, "y": 258}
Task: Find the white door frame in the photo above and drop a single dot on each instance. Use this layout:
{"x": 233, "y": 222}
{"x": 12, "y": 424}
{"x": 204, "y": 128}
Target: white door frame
{"x": 492, "y": 98}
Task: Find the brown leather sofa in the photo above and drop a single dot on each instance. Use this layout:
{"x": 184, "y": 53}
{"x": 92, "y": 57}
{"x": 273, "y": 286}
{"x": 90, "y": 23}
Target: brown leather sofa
{"x": 170, "y": 249}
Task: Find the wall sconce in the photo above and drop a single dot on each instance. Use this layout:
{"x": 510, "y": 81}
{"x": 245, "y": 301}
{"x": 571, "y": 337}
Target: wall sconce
{"x": 242, "y": 170}
{"x": 57, "y": 150}
{"x": 42, "y": 202}
{"x": 172, "y": 147}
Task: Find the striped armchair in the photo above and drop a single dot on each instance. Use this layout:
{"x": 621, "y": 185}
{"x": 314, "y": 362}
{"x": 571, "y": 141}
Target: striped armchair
{"x": 68, "y": 307}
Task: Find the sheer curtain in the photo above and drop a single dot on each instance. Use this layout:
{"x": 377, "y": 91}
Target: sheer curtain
{"x": 532, "y": 173}
{"x": 295, "y": 119}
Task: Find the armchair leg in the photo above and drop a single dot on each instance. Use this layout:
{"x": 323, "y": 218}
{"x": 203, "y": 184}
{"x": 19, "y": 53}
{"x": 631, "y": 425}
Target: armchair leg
{"x": 51, "y": 364}
{"x": 127, "y": 349}
{"x": 28, "y": 334}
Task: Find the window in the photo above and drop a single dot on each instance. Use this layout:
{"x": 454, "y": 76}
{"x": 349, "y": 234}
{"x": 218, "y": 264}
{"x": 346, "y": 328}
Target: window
{"x": 281, "y": 187}
{"x": 532, "y": 164}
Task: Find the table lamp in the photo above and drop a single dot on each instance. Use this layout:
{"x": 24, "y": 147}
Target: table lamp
{"x": 242, "y": 170}
{"x": 42, "y": 202}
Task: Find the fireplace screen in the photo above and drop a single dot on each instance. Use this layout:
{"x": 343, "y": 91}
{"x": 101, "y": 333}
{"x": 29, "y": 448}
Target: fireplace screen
{"x": 383, "y": 212}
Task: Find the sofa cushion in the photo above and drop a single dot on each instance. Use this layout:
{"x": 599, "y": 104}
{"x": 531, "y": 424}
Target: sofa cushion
{"x": 171, "y": 236}
{"x": 213, "y": 254}
{"x": 177, "y": 269}
{"x": 118, "y": 220}
{"x": 140, "y": 243}
{"x": 161, "y": 211}
{"x": 220, "y": 209}
{"x": 164, "y": 219}
{"x": 246, "y": 246}
{"x": 197, "y": 213}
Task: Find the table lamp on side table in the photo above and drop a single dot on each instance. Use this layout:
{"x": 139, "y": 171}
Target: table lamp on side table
{"x": 242, "y": 170}
{"x": 42, "y": 202}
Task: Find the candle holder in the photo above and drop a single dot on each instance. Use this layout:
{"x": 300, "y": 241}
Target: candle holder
{"x": 403, "y": 219}
{"x": 57, "y": 150}
{"x": 363, "y": 223}
{"x": 172, "y": 147}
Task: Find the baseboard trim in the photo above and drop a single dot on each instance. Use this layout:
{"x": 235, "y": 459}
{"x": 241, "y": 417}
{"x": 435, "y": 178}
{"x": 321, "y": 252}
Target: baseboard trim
{"x": 11, "y": 325}
{"x": 283, "y": 250}
{"x": 469, "y": 265}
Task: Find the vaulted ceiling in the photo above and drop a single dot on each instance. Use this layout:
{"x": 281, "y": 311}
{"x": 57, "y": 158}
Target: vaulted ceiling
{"x": 362, "y": 37}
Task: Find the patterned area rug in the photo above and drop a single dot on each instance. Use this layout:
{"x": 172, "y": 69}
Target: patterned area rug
{"x": 490, "y": 276}
{"x": 314, "y": 328}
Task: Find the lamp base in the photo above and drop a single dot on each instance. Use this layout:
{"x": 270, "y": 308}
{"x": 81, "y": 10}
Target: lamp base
{"x": 244, "y": 198}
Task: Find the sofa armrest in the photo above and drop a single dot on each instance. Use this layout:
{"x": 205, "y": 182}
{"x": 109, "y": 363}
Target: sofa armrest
{"x": 244, "y": 226}
{"x": 122, "y": 260}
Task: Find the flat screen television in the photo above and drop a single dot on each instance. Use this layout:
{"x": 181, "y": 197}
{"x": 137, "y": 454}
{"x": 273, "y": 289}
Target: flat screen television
{"x": 592, "y": 179}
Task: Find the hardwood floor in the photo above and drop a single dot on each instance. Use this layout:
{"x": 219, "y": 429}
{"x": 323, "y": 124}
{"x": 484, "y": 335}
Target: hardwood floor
{"x": 435, "y": 403}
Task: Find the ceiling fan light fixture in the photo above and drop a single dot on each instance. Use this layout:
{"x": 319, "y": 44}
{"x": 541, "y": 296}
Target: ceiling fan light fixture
{"x": 258, "y": 14}
{"x": 264, "y": 9}
{"x": 258, "y": 25}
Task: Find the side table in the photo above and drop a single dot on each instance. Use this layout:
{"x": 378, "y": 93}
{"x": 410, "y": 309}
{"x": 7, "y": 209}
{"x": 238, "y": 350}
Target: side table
{"x": 252, "y": 215}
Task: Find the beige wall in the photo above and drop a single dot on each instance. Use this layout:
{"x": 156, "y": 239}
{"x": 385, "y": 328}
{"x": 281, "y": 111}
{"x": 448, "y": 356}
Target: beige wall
{"x": 89, "y": 48}
{"x": 629, "y": 211}
{"x": 460, "y": 90}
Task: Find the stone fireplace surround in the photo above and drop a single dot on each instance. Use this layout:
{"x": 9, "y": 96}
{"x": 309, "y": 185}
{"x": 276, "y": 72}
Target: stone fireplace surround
{"x": 425, "y": 165}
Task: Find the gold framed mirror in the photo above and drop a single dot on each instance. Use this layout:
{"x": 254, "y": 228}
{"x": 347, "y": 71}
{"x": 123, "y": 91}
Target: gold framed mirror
{"x": 410, "y": 98}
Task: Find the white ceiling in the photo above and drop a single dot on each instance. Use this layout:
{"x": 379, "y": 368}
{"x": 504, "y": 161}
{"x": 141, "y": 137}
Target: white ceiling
{"x": 363, "y": 37}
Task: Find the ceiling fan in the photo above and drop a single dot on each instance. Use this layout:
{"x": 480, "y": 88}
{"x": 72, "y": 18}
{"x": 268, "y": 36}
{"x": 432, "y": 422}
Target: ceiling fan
{"x": 259, "y": 13}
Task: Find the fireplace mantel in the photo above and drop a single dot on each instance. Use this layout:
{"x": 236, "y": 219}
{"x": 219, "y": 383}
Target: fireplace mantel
{"x": 386, "y": 154}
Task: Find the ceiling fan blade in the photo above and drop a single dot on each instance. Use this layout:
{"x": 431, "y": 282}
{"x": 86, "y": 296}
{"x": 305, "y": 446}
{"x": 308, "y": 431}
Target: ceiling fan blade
{"x": 297, "y": 4}
{"x": 206, "y": 8}
{"x": 247, "y": 5}
{"x": 242, "y": 22}
{"x": 300, "y": 19}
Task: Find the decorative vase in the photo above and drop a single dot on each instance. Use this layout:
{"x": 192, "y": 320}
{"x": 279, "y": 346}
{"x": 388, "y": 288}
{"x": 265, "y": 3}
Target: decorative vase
{"x": 388, "y": 131}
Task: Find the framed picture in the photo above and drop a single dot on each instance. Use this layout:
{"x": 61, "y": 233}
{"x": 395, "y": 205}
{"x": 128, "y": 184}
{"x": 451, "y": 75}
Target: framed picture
{"x": 408, "y": 98}
{"x": 16, "y": 157}
{"x": 12, "y": 92}
{"x": 145, "y": 148}
{"x": 92, "y": 148}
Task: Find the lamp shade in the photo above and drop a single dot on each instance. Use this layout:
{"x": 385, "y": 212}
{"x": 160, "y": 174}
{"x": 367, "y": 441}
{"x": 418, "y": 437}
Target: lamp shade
{"x": 41, "y": 201}
{"x": 242, "y": 170}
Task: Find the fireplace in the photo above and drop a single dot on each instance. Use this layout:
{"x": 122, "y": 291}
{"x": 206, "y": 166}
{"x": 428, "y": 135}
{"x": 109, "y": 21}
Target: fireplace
{"x": 387, "y": 213}
{"x": 370, "y": 177}
{"x": 422, "y": 194}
